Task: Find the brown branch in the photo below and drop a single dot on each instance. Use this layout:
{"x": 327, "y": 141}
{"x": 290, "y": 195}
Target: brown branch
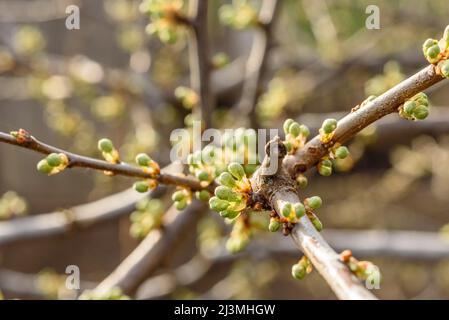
{"x": 257, "y": 61}
{"x": 200, "y": 65}
{"x": 151, "y": 252}
{"x": 123, "y": 169}
{"x": 354, "y": 122}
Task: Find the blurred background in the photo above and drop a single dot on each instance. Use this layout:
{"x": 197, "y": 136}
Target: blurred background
{"x": 388, "y": 202}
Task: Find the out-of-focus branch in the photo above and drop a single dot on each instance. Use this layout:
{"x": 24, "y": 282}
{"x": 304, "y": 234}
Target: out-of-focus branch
{"x": 152, "y": 251}
{"x": 85, "y": 215}
{"x": 257, "y": 61}
{"x": 200, "y": 64}
{"x": 75, "y": 160}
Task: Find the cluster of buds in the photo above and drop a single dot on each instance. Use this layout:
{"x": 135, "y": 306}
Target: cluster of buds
{"x": 415, "y": 108}
{"x": 182, "y": 198}
{"x": 54, "y": 163}
{"x": 12, "y": 205}
{"x": 239, "y": 15}
{"x": 113, "y": 294}
{"x": 295, "y": 135}
{"x": 362, "y": 269}
{"x": 242, "y": 145}
{"x": 232, "y": 195}
{"x": 22, "y": 136}
{"x": 147, "y": 217}
{"x": 206, "y": 165}
{"x": 149, "y": 166}
{"x": 435, "y": 50}
{"x": 325, "y": 165}
{"x": 188, "y": 97}
{"x": 327, "y": 130}
{"x": 109, "y": 152}
{"x": 166, "y": 17}
{"x": 240, "y": 235}
{"x": 302, "y": 268}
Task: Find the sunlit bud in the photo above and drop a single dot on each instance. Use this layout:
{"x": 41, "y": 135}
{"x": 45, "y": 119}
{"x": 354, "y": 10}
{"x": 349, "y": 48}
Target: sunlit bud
{"x": 178, "y": 195}
{"x": 225, "y": 179}
{"x": 225, "y": 193}
{"x": 141, "y": 186}
{"x": 287, "y": 124}
{"x": 432, "y": 53}
{"x": 202, "y": 195}
{"x": 236, "y": 170}
{"x": 202, "y": 175}
{"x": 286, "y": 209}
{"x": 217, "y": 204}
{"x": 143, "y": 160}
{"x": 325, "y": 167}
{"x": 288, "y": 145}
{"x": 427, "y": 44}
{"x": 229, "y": 214}
{"x": 274, "y": 225}
{"x": 180, "y": 205}
{"x": 313, "y": 202}
{"x": 342, "y": 152}
{"x": 300, "y": 210}
{"x": 302, "y": 181}
{"x": 44, "y": 167}
{"x": 444, "y": 68}
{"x": 298, "y": 271}
{"x": 421, "y": 112}
{"x": 329, "y": 125}
{"x": 316, "y": 223}
{"x": 304, "y": 130}
{"x": 445, "y": 38}
{"x": 294, "y": 129}
{"x": 105, "y": 145}
{"x": 409, "y": 107}
{"x": 421, "y": 98}
{"x": 54, "y": 160}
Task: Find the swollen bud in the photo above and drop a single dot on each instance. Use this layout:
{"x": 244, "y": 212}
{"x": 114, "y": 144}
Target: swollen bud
{"x": 287, "y": 124}
{"x": 274, "y": 225}
{"x": 178, "y": 195}
{"x": 325, "y": 167}
{"x": 294, "y": 129}
{"x": 141, "y": 186}
{"x": 432, "y": 53}
{"x": 202, "y": 175}
{"x": 341, "y": 152}
{"x": 180, "y": 205}
{"x": 409, "y": 107}
{"x": 236, "y": 170}
{"x": 225, "y": 179}
{"x": 202, "y": 195}
{"x": 143, "y": 160}
{"x": 44, "y": 167}
{"x": 105, "y": 145}
{"x": 298, "y": 271}
{"x": 217, "y": 204}
{"x": 300, "y": 210}
{"x": 229, "y": 214}
{"x": 316, "y": 223}
{"x": 444, "y": 68}
{"x": 313, "y": 202}
{"x": 421, "y": 112}
{"x": 329, "y": 125}
{"x": 302, "y": 181}
{"x": 304, "y": 131}
{"x": 225, "y": 193}
{"x": 286, "y": 209}
{"x": 54, "y": 160}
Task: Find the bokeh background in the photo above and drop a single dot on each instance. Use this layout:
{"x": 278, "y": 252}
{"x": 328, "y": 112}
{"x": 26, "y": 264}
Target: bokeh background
{"x": 388, "y": 201}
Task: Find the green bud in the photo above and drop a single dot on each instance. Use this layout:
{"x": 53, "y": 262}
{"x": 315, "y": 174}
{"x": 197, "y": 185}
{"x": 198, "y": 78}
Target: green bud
{"x": 180, "y": 205}
{"x": 329, "y": 125}
{"x": 444, "y": 68}
{"x": 54, "y": 160}
{"x": 432, "y": 53}
{"x": 288, "y": 145}
{"x": 225, "y": 179}
{"x": 341, "y": 152}
{"x": 313, "y": 202}
{"x": 143, "y": 160}
{"x": 427, "y": 44}
{"x": 105, "y": 145}
{"x": 287, "y": 124}
{"x": 302, "y": 181}
{"x": 446, "y": 37}
{"x": 304, "y": 131}
{"x": 325, "y": 167}
{"x": 202, "y": 175}
{"x": 300, "y": 210}
{"x": 217, "y": 204}
{"x": 229, "y": 214}
{"x": 236, "y": 170}
{"x": 202, "y": 195}
{"x": 44, "y": 167}
{"x": 178, "y": 195}
{"x": 409, "y": 107}
{"x": 421, "y": 112}
{"x": 141, "y": 186}
{"x": 294, "y": 129}
{"x": 274, "y": 225}
{"x": 225, "y": 193}
{"x": 298, "y": 271}
{"x": 286, "y": 209}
